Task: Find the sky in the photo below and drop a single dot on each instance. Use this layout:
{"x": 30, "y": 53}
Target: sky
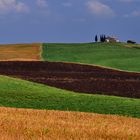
{"x": 27, "y": 21}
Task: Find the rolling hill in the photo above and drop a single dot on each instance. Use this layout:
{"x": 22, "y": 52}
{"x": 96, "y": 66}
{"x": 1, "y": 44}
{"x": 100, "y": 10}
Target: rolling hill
{"x": 36, "y": 124}
{"x": 121, "y": 56}
{"x": 76, "y": 77}
{"x": 22, "y": 94}
{"x": 115, "y": 55}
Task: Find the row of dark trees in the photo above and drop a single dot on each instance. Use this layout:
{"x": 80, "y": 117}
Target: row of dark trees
{"x": 102, "y": 38}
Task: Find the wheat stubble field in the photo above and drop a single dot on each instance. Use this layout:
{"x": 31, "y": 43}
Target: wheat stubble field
{"x": 27, "y": 124}
{"x": 20, "y": 52}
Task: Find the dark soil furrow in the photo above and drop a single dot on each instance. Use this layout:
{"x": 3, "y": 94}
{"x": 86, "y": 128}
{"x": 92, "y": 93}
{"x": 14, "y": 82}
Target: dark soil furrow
{"x": 76, "y": 77}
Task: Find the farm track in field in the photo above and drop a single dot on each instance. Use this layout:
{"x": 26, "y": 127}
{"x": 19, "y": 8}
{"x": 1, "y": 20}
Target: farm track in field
{"x": 75, "y": 77}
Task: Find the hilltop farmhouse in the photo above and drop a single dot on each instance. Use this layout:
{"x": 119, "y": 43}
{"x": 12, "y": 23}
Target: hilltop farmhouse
{"x": 104, "y": 38}
{"x": 111, "y": 39}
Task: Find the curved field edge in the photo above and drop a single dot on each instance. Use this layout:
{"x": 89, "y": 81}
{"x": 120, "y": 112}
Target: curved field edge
{"x": 23, "y": 94}
{"x": 121, "y": 56}
{"x": 21, "y": 52}
{"x": 44, "y": 124}
{"x": 77, "y": 78}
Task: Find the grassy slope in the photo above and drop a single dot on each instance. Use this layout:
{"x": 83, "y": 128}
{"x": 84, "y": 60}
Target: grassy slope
{"x": 24, "y": 124}
{"x": 23, "y": 94}
{"x": 116, "y": 55}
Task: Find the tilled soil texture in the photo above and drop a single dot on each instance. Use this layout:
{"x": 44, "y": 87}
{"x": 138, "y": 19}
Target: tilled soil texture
{"x": 76, "y": 77}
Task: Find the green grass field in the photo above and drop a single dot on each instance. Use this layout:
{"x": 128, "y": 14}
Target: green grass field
{"x": 116, "y": 55}
{"x": 23, "y": 94}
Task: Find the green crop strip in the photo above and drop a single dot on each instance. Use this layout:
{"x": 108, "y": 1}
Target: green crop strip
{"x": 24, "y": 94}
{"x": 115, "y": 55}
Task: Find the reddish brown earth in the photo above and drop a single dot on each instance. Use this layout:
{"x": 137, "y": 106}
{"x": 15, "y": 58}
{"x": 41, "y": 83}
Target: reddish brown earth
{"x": 20, "y": 52}
{"x": 75, "y": 77}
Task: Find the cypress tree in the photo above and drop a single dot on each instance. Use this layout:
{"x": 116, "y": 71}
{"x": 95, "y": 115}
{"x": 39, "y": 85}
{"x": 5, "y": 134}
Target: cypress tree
{"x": 96, "y": 38}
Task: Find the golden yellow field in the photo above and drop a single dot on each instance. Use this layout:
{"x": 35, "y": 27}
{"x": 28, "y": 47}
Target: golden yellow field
{"x": 21, "y": 124}
{"x": 17, "y": 52}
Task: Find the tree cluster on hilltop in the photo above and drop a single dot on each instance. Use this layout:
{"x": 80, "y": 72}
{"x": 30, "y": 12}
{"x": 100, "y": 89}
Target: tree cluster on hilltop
{"x": 102, "y": 38}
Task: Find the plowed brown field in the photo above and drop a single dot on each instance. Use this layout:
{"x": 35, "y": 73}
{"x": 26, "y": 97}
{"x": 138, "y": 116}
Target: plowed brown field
{"x": 75, "y": 77}
{"x": 20, "y": 52}
{"x": 23, "y": 124}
